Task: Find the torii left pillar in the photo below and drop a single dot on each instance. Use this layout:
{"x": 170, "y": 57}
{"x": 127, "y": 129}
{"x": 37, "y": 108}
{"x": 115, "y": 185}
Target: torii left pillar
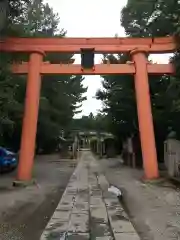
{"x": 28, "y": 137}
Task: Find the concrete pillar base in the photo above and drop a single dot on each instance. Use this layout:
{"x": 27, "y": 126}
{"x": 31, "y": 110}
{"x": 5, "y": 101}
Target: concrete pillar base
{"x": 18, "y": 183}
{"x": 154, "y": 181}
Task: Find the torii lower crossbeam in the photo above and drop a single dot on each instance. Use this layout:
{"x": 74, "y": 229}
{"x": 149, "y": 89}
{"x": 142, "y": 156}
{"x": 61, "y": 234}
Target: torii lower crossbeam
{"x": 99, "y": 69}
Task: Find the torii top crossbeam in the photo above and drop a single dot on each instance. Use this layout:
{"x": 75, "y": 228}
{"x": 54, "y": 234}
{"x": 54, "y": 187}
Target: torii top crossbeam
{"x": 100, "y": 45}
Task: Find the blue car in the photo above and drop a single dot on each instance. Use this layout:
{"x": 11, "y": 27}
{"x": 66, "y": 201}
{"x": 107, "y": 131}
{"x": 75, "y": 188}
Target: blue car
{"x": 8, "y": 160}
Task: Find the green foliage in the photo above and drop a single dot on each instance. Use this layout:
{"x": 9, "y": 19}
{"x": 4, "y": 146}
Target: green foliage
{"x": 96, "y": 123}
{"x": 11, "y": 12}
{"x": 150, "y": 18}
{"x": 61, "y": 96}
{"x": 113, "y": 86}
{"x": 119, "y": 100}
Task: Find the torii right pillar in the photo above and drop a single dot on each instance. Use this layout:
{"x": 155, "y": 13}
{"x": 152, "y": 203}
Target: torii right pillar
{"x": 145, "y": 118}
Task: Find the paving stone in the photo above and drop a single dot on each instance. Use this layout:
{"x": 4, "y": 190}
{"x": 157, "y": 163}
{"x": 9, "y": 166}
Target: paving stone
{"x": 58, "y": 226}
{"x": 81, "y": 207}
{"x": 104, "y": 238}
{"x": 93, "y": 184}
{"x": 82, "y": 202}
{"x": 79, "y": 223}
{"x": 99, "y": 215}
{"x": 95, "y": 201}
{"x": 92, "y": 179}
{"x": 84, "y": 189}
{"x": 126, "y": 236}
{"x": 76, "y": 211}
{"x": 100, "y": 230}
{"x": 97, "y": 194}
{"x": 71, "y": 191}
{"x": 118, "y": 214}
{"x": 121, "y": 226}
{"x": 111, "y": 202}
{"x": 60, "y": 215}
{"x": 69, "y": 198}
{"x": 53, "y": 236}
{"x": 103, "y": 182}
{"x": 65, "y": 207}
{"x": 82, "y": 197}
{"x": 78, "y": 236}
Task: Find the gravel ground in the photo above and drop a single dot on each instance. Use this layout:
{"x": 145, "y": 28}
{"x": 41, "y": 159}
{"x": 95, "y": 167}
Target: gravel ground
{"x": 153, "y": 209}
{"x": 24, "y": 212}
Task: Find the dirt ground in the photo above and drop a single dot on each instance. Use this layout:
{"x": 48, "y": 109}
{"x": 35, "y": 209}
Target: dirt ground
{"x": 24, "y": 212}
{"x": 154, "y": 209}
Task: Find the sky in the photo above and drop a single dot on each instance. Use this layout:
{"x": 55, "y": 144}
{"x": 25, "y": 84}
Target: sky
{"x": 95, "y": 18}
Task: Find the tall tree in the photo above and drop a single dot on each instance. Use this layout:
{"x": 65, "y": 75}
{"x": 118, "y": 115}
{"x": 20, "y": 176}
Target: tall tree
{"x": 144, "y": 19}
{"x": 61, "y": 96}
{"x": 119, "y": 99}
{"x": 150, "y": 18}
{"x": 90, "y": 123}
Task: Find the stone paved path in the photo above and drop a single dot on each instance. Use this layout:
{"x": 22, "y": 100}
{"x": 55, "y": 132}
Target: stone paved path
{"x": 87, "y": 210}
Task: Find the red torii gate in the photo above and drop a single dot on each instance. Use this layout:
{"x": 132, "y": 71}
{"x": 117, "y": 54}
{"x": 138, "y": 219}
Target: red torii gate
{"x": 139, "y": 67}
